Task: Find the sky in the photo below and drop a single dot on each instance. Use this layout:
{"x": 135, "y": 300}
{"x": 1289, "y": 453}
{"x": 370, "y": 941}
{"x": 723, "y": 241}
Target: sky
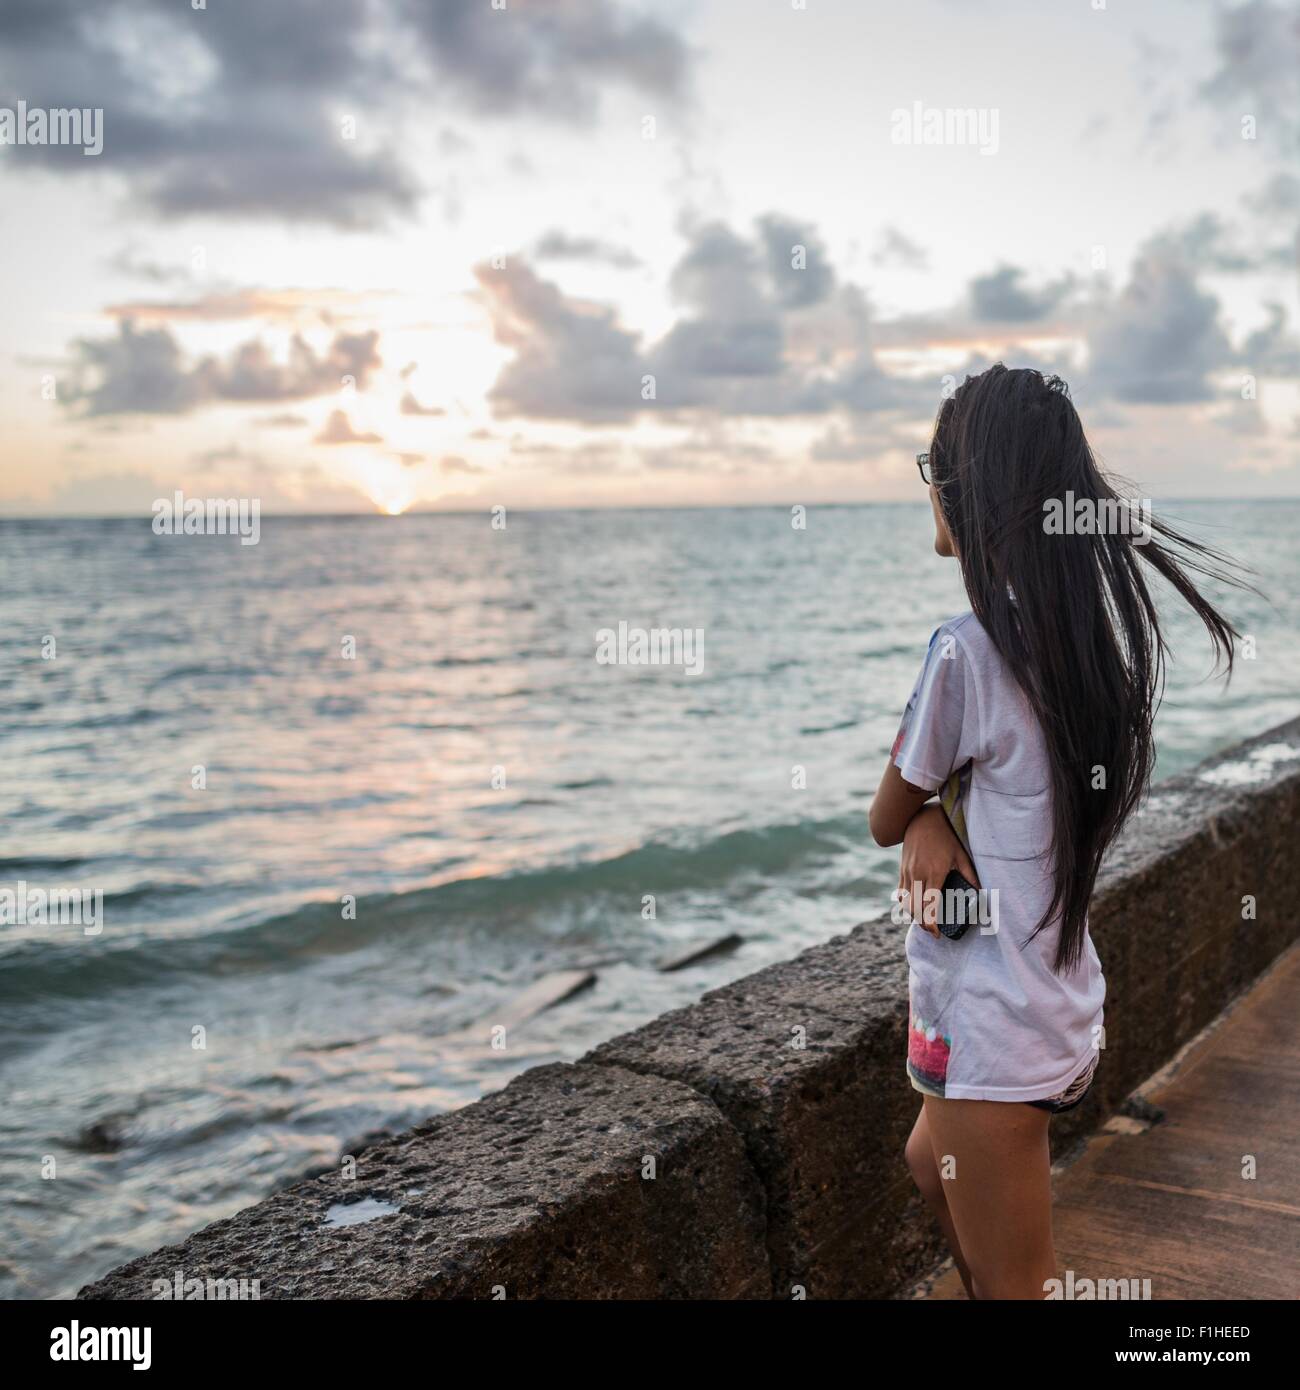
{"x": 393, "y": 255}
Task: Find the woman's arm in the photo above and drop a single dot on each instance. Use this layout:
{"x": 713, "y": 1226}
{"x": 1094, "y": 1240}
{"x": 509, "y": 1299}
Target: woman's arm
{"x": 893, "y": 806}
{"x": 931, "y": 851}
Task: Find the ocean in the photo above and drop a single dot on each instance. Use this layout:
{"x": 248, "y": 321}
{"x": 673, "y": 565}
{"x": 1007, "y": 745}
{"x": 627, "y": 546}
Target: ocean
{"x": 319, "y": 858}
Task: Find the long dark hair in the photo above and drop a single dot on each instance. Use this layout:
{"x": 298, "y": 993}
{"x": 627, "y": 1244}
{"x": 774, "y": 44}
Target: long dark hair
{"x": 1070, "y": 613}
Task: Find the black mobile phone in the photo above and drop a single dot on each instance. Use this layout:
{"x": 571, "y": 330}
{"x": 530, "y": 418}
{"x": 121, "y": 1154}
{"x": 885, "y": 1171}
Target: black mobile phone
{"x": 954, "y": 926}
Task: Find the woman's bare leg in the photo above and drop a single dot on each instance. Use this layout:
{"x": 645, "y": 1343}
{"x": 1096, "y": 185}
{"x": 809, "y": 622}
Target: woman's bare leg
{"x": 925, "y": 1173}
{"x": 998, "y": 1188}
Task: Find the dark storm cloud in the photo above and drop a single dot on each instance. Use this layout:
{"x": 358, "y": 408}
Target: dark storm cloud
{"x": 143, "y": 371}
{"x": 1003, "y": 297}
{"x": 751, "y": 340}
{"x": 234, "y": 110}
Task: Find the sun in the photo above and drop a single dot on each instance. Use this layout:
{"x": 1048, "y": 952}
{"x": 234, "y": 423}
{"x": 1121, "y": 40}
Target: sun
{"x": 386, "y": 485}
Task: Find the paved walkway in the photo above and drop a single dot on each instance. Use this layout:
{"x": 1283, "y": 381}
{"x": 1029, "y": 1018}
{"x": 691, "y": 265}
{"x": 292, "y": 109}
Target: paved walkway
{"x": 1169, "y": 1201}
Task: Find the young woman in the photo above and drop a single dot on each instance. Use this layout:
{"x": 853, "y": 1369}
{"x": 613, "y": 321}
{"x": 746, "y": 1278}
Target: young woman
{"x": 1031, "y": 720}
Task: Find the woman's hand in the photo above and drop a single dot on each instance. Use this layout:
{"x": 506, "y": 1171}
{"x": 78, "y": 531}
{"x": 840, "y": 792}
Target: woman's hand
{"x": 931, "y": 851}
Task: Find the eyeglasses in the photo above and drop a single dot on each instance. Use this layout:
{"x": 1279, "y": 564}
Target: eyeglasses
{"x": 923, "y": 467}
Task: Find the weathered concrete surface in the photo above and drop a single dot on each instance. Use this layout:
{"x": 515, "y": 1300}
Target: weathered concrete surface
{"x": 806, "y": 1059}
{"x": 538, "y": 1189}
{"x": 825, "y": 1124}
{"x": 778, "y": 1106}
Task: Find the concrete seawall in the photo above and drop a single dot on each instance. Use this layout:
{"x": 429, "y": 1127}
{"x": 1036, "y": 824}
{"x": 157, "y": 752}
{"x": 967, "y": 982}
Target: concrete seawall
{"x": 750, "y": 1145}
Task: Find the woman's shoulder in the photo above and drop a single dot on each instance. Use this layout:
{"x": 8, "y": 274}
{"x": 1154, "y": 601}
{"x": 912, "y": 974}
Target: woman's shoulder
{"x": 966, "y": 638}
{"x": 965, "y": 629}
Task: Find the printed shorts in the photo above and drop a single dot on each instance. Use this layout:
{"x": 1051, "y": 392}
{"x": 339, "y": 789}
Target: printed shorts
{"x": 1073, "y": 1093}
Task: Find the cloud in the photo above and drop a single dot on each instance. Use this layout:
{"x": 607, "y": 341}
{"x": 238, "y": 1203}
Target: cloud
{"x": 797, "y": 262}
{"x": 127, "y": 261}
{"x": 290, "y": 305}
{"x": 598, "y": 460}
{"x": 1160, "y": 339}
{"x": 338, "y": 430}
{"x": 453, "y": 463}
{"x": 1272, "y": 350}
{"x": 1279, "y": 197}
{"x": 1258, "y": 49}
{"x": 559, "y": 246}
{"x": 753, "y": 340}
{"x": 138, "y": 371}
{"x": 712, "y": 447}
{"x": 551, "y": 58}
{"x": 1209, "y": 242}
{"x": 758, "y": 335}
{"x": 572, "y": 360}
{"x": 720, "y": 274}
{"x": 1001, "y": 297}
{"x": 285, "y": 420}
{"x": 230, "y": 111}
{"x": 410, "y": 406}
{"x": 227, "y": 453}
{"x": 143, "y": 371}
{"x": 840, "y": 445}
{"x": 897, "y": 249}
{"x": 236, "y": 110}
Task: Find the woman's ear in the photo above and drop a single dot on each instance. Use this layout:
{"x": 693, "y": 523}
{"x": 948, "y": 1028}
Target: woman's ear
{"x": 942, "y": 536}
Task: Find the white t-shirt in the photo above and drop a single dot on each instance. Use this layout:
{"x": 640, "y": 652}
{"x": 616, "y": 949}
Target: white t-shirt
{"x": 990, "y": 1018}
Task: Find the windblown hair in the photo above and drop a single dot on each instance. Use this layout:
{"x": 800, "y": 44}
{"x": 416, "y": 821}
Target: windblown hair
{"x": 1071, "y": 614}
